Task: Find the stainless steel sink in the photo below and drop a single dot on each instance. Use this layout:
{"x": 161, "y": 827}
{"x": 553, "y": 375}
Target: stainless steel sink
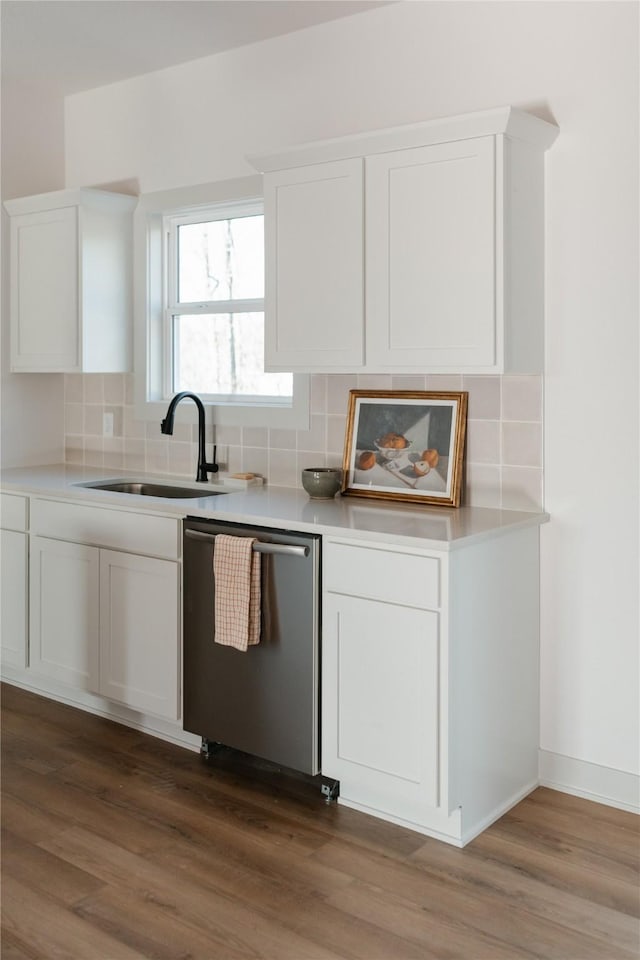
{"x": 141, "y": 488}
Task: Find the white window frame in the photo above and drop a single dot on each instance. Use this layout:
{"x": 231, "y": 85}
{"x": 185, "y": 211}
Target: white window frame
{"x": 151, "y": 297}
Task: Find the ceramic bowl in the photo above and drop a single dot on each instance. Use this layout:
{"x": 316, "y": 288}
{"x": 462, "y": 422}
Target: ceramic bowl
{"x": 322, "y": 483}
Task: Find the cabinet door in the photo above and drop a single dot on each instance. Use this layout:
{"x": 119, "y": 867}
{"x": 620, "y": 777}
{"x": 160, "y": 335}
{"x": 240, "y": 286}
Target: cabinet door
{"x": 13, "y": 597}
{"x": 44, "y": 291}
{"x": 139, "y": 632}
{"x": 431, "y": 257}
{"x": 314, "y": 267}
{"x": 63, "y": 608}
{"x": 380, "y": 718}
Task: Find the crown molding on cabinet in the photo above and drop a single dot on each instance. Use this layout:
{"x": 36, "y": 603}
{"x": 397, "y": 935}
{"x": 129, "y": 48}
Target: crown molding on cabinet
{"x": 510, "y": 121}
{"x": 87, "y": 197}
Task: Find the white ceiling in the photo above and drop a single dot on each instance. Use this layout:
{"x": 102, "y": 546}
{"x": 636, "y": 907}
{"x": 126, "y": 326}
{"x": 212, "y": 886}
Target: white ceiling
{"x": 74, "y": 45}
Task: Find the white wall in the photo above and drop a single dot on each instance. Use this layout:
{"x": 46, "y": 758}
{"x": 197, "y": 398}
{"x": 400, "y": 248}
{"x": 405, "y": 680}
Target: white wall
{"x": 573, "y": 62}
{"x": 31, "y": 405}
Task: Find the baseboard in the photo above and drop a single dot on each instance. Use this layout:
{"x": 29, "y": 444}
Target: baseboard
{"x": 615, "y": 788}
{"x": 469, "y": 833}
{"x": 453, "y": 821}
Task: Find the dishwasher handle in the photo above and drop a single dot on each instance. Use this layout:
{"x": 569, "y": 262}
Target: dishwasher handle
{"x": 286, "y": 549}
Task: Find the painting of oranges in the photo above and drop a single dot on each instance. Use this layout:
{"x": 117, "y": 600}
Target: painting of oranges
{"x": 405, "y": 445}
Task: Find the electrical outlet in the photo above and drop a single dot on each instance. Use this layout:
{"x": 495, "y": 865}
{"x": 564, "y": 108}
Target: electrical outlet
{"x": 107, "y": 424}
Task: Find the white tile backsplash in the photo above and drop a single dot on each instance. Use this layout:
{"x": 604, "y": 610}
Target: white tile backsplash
{"x": 522, "y": 398}
{"x": 484, "y": 397}
{"x": 503, "y": 453}
{"x": 522, "y": 444}
{"x": 483, "y": 441}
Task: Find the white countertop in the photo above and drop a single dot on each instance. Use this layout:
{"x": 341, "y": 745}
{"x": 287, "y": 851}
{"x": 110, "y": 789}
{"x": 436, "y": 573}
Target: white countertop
{"x": 422, "y": 526}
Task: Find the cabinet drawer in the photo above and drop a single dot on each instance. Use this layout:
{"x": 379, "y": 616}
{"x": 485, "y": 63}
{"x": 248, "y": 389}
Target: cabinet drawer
{"x": 379, "y": 574}
{"x": 118, "y": 529}
{"x": 13, "y": 512}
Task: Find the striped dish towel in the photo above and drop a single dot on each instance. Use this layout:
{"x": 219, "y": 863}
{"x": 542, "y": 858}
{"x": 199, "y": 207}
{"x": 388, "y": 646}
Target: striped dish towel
{"x": 236, "y": 573}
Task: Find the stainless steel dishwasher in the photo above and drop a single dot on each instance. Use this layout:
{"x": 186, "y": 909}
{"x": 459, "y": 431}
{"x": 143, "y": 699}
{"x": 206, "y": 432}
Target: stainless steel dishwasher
{"x": 265, "y": 701}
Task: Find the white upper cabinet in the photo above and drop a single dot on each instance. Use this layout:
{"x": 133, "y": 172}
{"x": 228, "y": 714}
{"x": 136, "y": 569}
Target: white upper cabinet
{"x": 314, "y": 283}
{"x": 71, "y": 291}
{"x": 448, "y": 244}
{"x": 431, "y": 258}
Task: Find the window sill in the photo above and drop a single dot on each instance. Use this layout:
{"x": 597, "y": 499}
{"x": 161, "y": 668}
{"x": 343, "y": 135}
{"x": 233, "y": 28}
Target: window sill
{"x": 295, "y": 417}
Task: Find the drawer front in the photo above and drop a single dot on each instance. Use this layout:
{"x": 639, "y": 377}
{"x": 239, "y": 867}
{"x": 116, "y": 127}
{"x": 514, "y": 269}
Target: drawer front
{"x": 13, "y": 512}
{"x": 117, "y": 529}
{"x": 392, "y": 576}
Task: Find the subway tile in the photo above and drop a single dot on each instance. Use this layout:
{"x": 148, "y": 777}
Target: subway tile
{"x": 318, "y": 393}
{"x": 114, "y": 388}
{"x": 482, "y": 487}
{"x": 316, "y": 437}
{"x": 282, "y": 439}
{"x": 334, "y": 460}
{"x": 408, "y": 382}
{"x": 521, "y": 488}
{"x": 255, "y": 437}
{"x": 223, "y": 434}
{"x": 336, "y": 429}
{"x": 73, "y": 388}
{"x": 522, "y": 444}
{"x": 254, "y": 460}
{"x": 73, "y": 418}
{"x": 522, "y": 398}
{"x": 516, "y": 442}
{"x": 135, "y": 461}
{"x": 93, "y": 388}
{"x": 157, "y": 456}
{"x": 374, "y": 381}
{"x": 182, "y": 432}
{"x": 308, "y": 459}
{"x": 92, "y": 420}
{"x": 129, "y": 388}
{"x": 282, "y": 468}
{"x": 483, "y": 441}
{"x": 152, "y": 430}
{"x": 113, "y": 452}
{"x": 444, "y": 381}
{"x": 93, "y": 452}
{"x": 484, "y": 397}
{"x": 134, "y": 453}
{"x": 183, "y": 458}
{"x": 133, "y": 428}
{"x": 74, "y": 449}
{"x": 338, "y": 387}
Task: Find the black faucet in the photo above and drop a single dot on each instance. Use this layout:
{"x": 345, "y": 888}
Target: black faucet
{"x": 166, "y": 426}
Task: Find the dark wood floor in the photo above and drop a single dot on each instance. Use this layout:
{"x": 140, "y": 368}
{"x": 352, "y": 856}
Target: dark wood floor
{"x": 117, "y": 845}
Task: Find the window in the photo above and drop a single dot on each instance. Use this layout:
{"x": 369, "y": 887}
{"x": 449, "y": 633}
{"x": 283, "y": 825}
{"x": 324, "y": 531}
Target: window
{"x": 200, "y": 288}
{"x": 215, "y": 312}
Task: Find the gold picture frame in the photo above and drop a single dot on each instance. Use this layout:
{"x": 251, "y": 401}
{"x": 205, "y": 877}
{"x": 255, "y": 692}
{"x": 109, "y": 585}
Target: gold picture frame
{"x": 405, "y": 445}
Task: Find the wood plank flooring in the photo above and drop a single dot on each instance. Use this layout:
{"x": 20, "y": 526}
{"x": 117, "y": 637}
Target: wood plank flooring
{"x": 116, "y": 845}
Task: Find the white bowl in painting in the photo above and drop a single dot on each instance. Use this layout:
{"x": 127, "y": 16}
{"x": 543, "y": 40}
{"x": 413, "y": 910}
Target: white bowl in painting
{"x": 392, "y": 453}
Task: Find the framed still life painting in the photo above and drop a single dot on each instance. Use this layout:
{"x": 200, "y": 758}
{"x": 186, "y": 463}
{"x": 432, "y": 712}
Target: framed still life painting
{"x": 405, "y": 445}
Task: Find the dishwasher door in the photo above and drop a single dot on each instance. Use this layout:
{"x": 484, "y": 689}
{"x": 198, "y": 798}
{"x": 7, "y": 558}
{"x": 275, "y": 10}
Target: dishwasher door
{"x": 264, "y": 701}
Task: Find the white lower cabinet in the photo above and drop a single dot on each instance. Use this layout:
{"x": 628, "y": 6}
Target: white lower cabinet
{"x": 139, "y": 619}
{"x": 381, "y": 731}
{"x": 430, "y": 680}
{"x": 64, "y": 612}
{"x": 102, "y": 620}
{"x": 14, "y": 554}
{"x": 13, "y": 597}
